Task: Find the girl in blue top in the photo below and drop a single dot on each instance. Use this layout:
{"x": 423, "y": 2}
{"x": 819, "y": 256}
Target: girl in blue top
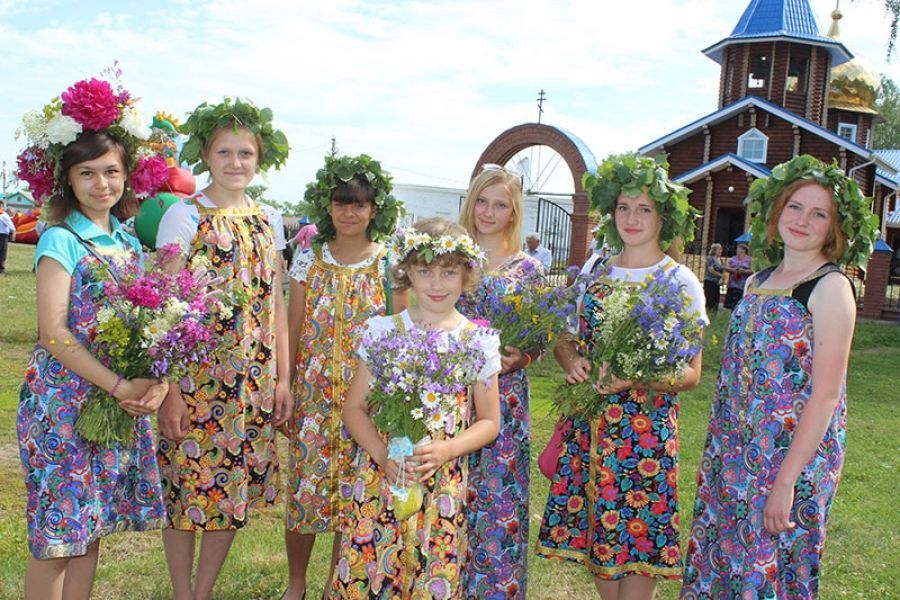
{"x": 77, "y": 492}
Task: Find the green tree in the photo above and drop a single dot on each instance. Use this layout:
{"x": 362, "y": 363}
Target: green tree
{"x": 886, "y": 134}
{"x": 257, "y": 194}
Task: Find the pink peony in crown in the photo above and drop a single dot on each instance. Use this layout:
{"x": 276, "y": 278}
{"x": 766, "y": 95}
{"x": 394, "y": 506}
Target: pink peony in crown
{"x": 88, "y": 105}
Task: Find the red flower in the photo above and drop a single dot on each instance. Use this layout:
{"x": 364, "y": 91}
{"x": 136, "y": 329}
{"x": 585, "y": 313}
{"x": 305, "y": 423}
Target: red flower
{"x": 637, "y": 527}
{"x": 643, "y": 544}
{"x": 92, "y": 103}
{"x": 640, "y": 423}
{"x": 150, "y": 174}
{"x": 35, "y": 173}
{"x": 648, "y": 440}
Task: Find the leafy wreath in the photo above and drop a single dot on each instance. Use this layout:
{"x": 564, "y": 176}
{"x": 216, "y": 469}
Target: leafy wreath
{"x": 208, "y": 118}
{"x": 858, "y": 222}
{"x": 631, "y": 174}
{"x": 342, "y": 169}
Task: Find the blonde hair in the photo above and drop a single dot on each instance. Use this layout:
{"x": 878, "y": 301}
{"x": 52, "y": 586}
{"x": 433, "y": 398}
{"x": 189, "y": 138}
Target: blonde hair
{"x": 437, "y": 227}
{"x": 835, "y": 241}
{"x": 512, "y": 183}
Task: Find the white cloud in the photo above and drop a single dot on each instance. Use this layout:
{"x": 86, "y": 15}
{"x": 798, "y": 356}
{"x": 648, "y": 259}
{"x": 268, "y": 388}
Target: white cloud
{"x": 422, "y": 86}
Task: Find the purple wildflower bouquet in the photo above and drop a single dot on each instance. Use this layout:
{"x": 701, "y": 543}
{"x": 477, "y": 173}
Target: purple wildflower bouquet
{"x": 646, "y": 332}
{"x": 529, "y": 314}
{"x": 416, "y": 377}
{"x": 155, "y": 325}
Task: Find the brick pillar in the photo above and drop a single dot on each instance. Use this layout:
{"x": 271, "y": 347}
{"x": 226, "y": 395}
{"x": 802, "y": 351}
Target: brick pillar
{"x": 877, "y": 274}
{"x": 580, "y": 239}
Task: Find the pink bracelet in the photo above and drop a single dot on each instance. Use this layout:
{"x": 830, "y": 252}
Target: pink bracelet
{"x": 112, "y": 392}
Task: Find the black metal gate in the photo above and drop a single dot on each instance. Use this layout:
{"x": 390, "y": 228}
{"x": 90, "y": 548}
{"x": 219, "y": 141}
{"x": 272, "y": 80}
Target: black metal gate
{"x": 554, "y": 223}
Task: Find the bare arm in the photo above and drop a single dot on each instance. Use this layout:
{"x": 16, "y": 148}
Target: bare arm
{"x": 296, "y": 317}
{"x": 136, "y": 397}
{"x": 834, "y": 316}
{"x": 284, "y": 400}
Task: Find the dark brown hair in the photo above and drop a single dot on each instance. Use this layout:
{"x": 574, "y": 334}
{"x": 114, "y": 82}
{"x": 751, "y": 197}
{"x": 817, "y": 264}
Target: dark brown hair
{"x": 437, "y": 227}
{"x": 89, "y": 146}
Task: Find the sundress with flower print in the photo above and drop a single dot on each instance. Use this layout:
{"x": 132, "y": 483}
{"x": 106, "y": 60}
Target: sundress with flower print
{"x": 764, "y": 383}
{"x": 499, "y": 473}
{"x": 227, "y": 463}
{"x": 339, "y": 299}
{"x": 613, "y": 501}
{"x": 77, "y": 492}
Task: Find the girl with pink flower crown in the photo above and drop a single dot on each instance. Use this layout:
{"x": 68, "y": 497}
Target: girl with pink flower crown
{"x": 217, "y": 428}
{"x": 391, "y": 549}
{"x": 78, "y": 492}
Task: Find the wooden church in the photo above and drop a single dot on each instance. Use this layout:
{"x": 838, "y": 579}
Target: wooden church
{"x": 784, "y": 89}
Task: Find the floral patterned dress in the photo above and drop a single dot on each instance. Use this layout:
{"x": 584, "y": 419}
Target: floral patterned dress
{"x": 613, "y": 501}
{"x": 339, "y": 300}
{"x": 227, "y": 463}
{"x": 497, "y": 557}
{"x": 422, "y": 557}
{"x": 78, "y": 492}
{"x": 764, "y": 383}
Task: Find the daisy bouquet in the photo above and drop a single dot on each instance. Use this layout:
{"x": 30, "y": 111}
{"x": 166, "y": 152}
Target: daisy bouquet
{"x": 155, "y": 325}
{"x": 529, "y": 314}
{"x": 417, "y": 376}
{"x": 646, "y": 332}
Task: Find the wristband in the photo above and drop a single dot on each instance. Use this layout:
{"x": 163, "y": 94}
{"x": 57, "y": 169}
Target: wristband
{"x": 112, "y": 392}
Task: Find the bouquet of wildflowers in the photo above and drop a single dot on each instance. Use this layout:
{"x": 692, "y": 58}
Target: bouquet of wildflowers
{"x": 529, "y": 314}
{"x": 155, "y": 325}
{"x": 646, "y": 332}
{"x": 416, "y": 377}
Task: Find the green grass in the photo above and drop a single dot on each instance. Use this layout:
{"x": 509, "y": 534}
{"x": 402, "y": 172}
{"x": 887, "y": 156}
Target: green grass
{"x": 861, "y": 560}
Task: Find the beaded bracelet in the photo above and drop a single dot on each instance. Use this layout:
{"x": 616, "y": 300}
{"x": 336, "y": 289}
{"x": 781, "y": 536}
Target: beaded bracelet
{"x": 112, "y": 392}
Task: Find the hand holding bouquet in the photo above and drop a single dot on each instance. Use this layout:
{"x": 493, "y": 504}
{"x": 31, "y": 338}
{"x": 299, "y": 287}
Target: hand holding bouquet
{"x": 645, "y": 332}
{"x": 417, "y": 376}
{"x": 155, "y": 325}
{"x": 529, "y": 314}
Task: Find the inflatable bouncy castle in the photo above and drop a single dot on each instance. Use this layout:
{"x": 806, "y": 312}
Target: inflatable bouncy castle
{"x": 26, "y": 223}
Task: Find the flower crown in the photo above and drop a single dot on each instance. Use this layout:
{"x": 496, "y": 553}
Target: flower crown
{"x": 426, "y": 247}
{"x": 88, "y": 105}
{"x": 858, "y": 222}
{"x": 343, "y": 169}
{"x": 208, "y": 118}
{"x": 632, "y": 174}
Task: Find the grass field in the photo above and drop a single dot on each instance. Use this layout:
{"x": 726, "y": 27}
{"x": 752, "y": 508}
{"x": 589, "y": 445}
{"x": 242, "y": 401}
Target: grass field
{"x": 861, "y": 558}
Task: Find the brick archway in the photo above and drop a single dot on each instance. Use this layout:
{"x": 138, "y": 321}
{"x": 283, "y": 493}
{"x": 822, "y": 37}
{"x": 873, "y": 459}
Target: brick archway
{"x": 578, "y": 157}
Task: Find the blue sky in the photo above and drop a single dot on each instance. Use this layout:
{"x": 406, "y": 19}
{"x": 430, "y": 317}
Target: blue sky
{"x": 421, "y": 86}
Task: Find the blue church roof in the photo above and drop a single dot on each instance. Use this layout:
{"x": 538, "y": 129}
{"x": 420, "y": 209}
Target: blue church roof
{"x": 787, "y": 20}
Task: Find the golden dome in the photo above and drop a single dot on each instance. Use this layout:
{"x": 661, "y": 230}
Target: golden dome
{"x": 854, "y": 84}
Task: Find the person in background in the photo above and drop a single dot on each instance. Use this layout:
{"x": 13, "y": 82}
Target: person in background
{"x": 739, "y": 270}
{"x": 712, "y": 277}
{"x": 7, "y": 235}
{"x": 305, "y": 234}
{"x": 534, "y": 249}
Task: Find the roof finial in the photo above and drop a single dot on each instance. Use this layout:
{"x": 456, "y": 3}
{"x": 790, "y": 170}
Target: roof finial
{"x": 834, "y": 32}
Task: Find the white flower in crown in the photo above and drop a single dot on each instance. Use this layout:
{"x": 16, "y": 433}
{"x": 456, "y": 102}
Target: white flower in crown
{"x": 133, "y": 123}
{"x": 34, "y": 128}
{"x": 62, "y": 129}
{"x": 430, "y": 400}
{"x": 445, "y": 245}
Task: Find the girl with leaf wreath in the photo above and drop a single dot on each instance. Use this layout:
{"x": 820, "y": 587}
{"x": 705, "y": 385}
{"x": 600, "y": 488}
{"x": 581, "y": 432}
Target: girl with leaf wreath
{"x": 421, "y": 556}
{"x": 777, "y": 429}
{"x": 217, "y": 429}
{"x": 497, "y": 508}
{"x": 87, "y": 154}
{"x": 613, "y": 500}
{"x": 336, "y": 285}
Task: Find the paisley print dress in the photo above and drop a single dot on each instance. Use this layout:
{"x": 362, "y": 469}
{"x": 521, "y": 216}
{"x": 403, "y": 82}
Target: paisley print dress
{"x": 227, "y": 463}
{"x": 422, "y": 557}
{"x": 763, "y": 385}
{"x": 78, "y": 492}
{"x": 497, "y": 557}
{"x": 613, "y": 501}
{"x": 339, "y": 300}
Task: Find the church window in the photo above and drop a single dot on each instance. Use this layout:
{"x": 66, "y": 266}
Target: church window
{"x": 796, "y": 78}
{"x": 847, "y": 130}
{"x": 753, "y": 146}
{"x": 759, "y": 71}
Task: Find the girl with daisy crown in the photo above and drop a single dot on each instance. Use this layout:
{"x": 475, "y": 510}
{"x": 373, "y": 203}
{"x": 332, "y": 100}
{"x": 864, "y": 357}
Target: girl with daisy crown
{"x": 390, "y": 550}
